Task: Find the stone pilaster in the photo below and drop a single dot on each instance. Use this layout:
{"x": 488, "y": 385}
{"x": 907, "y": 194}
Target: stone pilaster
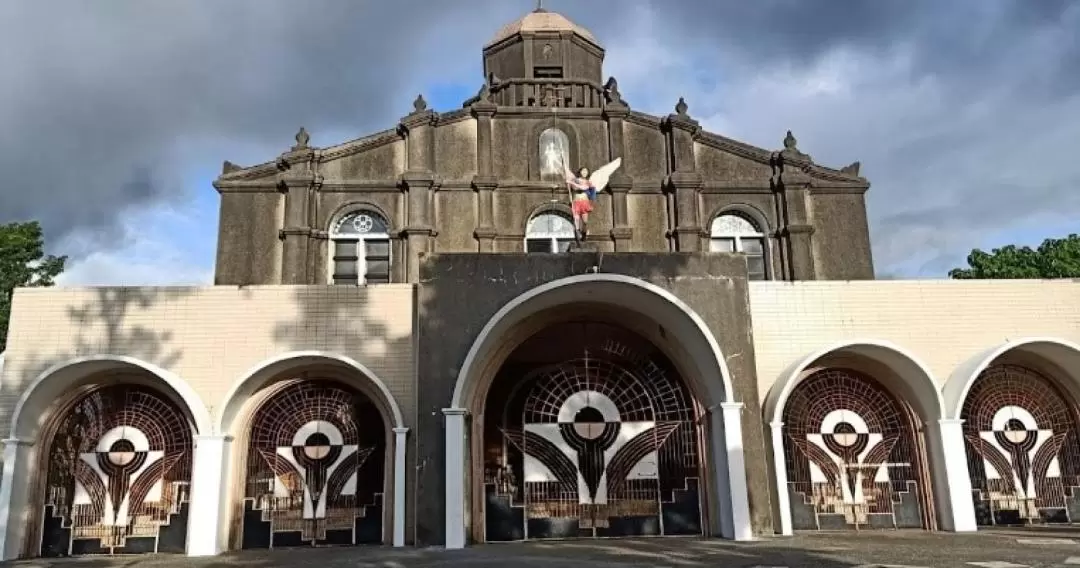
{"x": 485, "y": 183}
{"x": 418, "y": 183}
{"x": 615, "y": 112}
{"x": 684, "y": 181}
{"x": 298, "y": 180}
{"x": 796, "y": 232}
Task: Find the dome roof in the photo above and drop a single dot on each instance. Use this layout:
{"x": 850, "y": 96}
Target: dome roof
{"x": 541, "y": 20}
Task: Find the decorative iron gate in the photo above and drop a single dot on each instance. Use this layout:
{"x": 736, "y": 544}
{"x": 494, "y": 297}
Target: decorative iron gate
{"x": 1022, "y": 448}
{"x": 605, "y": 445}
{"x": 314, "y": 469}
{"x": 854, "y": 460}
{"x": 119, "y": 467}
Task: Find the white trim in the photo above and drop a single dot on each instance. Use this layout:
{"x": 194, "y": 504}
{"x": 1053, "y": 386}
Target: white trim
{"x": 776, "y": 400}
{"x": 951, "y": 477}
{"x": 553, "y": 237}
{"x": 192, "y": 401}
{"x": 455, "y": 477}
{"x": 235, "y": 398}
{"x": 501, "y": 318}
{"x": 209, "y": 497}
{"x": 737, "y": 497}
{"x": 711, "y": 382}
{"x": 361, "y": 243}
{"x": 400, "y": 449}
{"x": 960, "y": 381}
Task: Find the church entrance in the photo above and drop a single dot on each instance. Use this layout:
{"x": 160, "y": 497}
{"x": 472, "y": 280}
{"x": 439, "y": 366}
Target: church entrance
{"x": 589, "y": 432}
{"x": 1023, "y": 448}
{"x": 118, "y": 476}
{"x": 854, "y": 457}
{"x": 314, "y": 468}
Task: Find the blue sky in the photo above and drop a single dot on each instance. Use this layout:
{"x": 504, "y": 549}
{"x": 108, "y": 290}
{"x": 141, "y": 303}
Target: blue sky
{"x": 963, "y": 114}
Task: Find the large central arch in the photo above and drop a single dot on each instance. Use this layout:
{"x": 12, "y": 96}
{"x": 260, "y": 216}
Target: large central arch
{"x": 657, "y": 314}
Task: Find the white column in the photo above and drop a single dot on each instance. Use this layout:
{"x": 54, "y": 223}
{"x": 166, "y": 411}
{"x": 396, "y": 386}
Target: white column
{"x": 455, "y": 477}
{"x": 208, "y": 512}
{"x": 950, "y": 475}
{"x": 736, "y": 471}
{"x": 779, "y": 463}
{"x": 13, "y": 505}
{"x": 400, "y": 447}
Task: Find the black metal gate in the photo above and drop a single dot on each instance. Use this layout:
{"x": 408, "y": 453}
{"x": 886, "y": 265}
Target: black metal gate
{"x": 1022, "y": 448}
{"x": 314, "y": 469}
{"x": 119, "y": 467}
{"x": 604, "y": 445}
{"x": 853, "y": 457}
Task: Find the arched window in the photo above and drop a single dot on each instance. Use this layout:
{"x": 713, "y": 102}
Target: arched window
{"x": 361, "y": 249}
{"x": 733, "y": 232}
{"x": 549, "y": 232}
{"x": 554, "y": 152}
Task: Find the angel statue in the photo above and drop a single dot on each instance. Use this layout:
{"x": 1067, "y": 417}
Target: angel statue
{"x": 583, "y": 189}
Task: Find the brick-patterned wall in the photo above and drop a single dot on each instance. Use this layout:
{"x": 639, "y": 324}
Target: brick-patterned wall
{"x": 943, "y": 322}
{"x": 211, "y": 336}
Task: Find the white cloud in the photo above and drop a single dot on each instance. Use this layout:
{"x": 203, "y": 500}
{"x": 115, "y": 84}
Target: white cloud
{"x": 153, "y": 252}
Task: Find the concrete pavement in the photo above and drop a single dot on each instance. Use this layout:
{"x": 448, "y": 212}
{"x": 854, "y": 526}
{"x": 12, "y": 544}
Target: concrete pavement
{"x": 1032, "y": 548}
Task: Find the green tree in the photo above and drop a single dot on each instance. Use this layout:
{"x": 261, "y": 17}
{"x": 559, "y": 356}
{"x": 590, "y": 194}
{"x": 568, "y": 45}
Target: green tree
{"x": 23, "y": 262}
{"x": 1055, "y": 258}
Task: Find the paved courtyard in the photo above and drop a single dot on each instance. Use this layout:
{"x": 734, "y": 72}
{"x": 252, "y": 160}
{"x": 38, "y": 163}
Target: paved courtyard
{"x": 1035, "y": 548}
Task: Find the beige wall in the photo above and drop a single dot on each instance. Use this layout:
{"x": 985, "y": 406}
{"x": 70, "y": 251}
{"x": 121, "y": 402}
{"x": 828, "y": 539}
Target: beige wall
{"x": 211, "y": 336}
{"x": 942, "y": 322}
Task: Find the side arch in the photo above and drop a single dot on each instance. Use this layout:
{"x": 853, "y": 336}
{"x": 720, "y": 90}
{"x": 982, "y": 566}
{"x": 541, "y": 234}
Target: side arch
{"x": 260, "y": 385}
{"x": 32, "y": 409}
{"x": 1061, "y": 353}
{"x": 39, "y": 412}
{"x": 750, "y": 211}
{"x": 253, "y": 380}
{"x": 915, "y": 384}
{"x": 921, "y": 388}
{"x": 1018, "y": 406}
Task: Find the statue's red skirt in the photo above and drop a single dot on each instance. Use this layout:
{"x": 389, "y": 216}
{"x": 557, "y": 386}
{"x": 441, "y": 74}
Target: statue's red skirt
{"x": 581, "y": 207}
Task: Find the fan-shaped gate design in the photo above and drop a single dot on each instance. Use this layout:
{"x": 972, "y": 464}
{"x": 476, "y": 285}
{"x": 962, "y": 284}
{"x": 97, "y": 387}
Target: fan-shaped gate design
{"x": 314, "y": 469}
{"x": 598, "y": 446}
{"x": 854, "y": 459}
{"x": 119, "y": 468}
{"x": 1022, "y": 447}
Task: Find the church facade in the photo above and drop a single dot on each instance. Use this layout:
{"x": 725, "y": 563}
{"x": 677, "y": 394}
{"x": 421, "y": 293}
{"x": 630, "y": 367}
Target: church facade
{"x": 407, "y": 344}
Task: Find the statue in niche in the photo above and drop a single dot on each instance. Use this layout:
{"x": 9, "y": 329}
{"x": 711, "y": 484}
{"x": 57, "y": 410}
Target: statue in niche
{"x": 554, "y": 149}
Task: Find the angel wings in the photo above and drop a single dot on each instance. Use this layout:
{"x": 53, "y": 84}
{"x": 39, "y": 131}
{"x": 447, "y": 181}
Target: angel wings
{"x": 600, "y": 178}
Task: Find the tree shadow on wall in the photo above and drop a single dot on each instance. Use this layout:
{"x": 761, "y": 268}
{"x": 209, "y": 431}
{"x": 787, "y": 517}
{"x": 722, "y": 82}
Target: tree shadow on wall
{"x": 105, "y": 325}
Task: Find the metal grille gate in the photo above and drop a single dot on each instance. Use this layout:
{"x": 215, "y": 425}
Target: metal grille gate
{"x": 1022, "y": 448}
{"x": 314, "y": 469}
{"x": 604, "y": 445}
{"x": 119, "y": 468}
{"x": 853, "y": 457}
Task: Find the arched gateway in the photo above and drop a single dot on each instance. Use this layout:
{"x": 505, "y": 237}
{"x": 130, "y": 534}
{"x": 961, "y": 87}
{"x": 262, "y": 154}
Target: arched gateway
{"x": 114, "y": 448}
{"x": 600, "y": 407}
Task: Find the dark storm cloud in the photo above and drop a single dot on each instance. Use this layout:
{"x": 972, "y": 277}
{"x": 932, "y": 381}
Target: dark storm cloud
{"x": 105, "y": 104}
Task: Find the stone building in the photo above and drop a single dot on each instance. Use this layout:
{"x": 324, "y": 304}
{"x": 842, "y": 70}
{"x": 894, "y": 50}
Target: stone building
{"x": 404, "y": 345}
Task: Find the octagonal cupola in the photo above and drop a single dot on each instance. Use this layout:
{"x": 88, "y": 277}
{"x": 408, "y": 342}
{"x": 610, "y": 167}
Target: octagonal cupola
{"x": 544, "y": 45}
